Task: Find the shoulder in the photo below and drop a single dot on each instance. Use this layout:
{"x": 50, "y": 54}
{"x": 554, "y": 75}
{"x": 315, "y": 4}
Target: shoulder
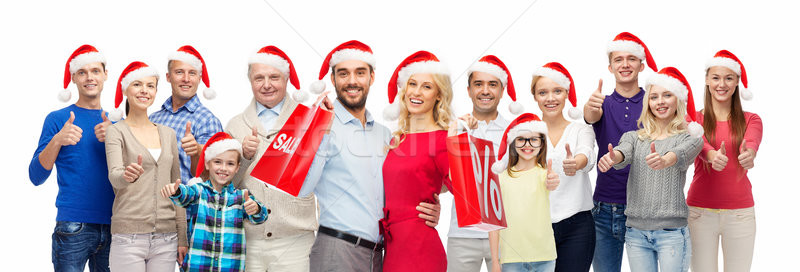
{"x": 749, "y": 116}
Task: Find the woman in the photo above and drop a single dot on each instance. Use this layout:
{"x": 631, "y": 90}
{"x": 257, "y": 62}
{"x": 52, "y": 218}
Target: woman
{"x": 146, "y": 228}
{"x": 720, "y": 197}
{"x": 416, "y": 165}
{"x": 571, "y": 148}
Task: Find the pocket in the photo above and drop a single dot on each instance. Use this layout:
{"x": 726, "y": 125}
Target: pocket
{"x": 745, "y": 215}
{"x": 66, "y": 228}
{"x": 694, "y": 213}
{"x": 121, "y": 239}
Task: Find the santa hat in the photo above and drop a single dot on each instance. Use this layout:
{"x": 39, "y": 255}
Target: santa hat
{"x": 492, "y": 65}
{"x": 627, "y": 42}
{"x": 217, "y": 144}
{"x": 135, "y": 71}
{"x": 671, "y": 79}
{"x": 527, "y": 122}
{"x": 275, "y": 57}
{"x": 728, "y": 60}
{"x": 82, "y": 56}
{"x": 421, "y": 62}
{"x": 189, "y": 55}
{"x": 350, "y": 50}
{"x": 557, "y": 73}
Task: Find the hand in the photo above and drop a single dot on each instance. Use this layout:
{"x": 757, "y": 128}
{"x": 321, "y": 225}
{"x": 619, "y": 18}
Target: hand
{"x": 608, "y": 160}
{"x": 171, "y": 189}
{"x": 746, "y": 156}
{"x": 326, "y": 103}
{"x": 182, "y": 250}
{"x": 188, "y": 143}
{"x": 250, "y": 206}
{"x": 452, "y": 129}
{"x": 134, "y": 170}
{"x": 719, "y": 159}
{"x": 250, "y": 144}
{"x": 595, "y": 102}
{"x": 430, "y": 212}
{"x": 552, "y": 178}
{"x": 100, "y": 129}
{"x": 69, "y": 134}
{"x": 655, "y": 160}
{"x": 472, "y": 123}
{"x": 569, "y": 163}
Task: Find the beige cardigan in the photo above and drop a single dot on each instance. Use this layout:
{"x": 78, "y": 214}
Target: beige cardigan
{"x": 288, "y": 215}
{"x": 138, "y": 206}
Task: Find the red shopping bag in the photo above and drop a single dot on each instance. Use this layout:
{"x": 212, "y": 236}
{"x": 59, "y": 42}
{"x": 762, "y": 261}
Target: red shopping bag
{"x": 476, "y": 189}
{"x": 286, "y": 161}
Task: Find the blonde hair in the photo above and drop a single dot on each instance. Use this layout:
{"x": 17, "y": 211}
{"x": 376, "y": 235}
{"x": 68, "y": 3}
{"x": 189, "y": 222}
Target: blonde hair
{"x": 441, "y": 109}
{"x": 648, "y": 125}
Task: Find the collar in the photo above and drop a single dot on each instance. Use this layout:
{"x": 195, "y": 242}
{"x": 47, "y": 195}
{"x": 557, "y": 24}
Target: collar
{"x": 190, "y": 105}
{"x": 276, "y": 109}
{"x": 345, "y": 116}
{"x": 226, "y": 189}
{"x": 636, "y": 98}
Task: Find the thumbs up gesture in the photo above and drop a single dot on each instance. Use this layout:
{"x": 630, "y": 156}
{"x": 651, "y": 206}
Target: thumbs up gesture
{"x": 569, "y": 163}
{"x": 250, "y": 206}
{"x": 250, "y": 144}
{"x": 609, "y": 159}
{"x": 69, "y": 134}
{"x": 188, "y": 143}
{"x": 746, "y": 156}
{"x": 719, "y": 160}
{"x": 552, "y": 178}
{"x": 171, "y": 189}
{"x": 595, "y": 102}
{"x": 100, "y": 129}
{"x": 655, "y": 160}
{"x": 134, "y": 170}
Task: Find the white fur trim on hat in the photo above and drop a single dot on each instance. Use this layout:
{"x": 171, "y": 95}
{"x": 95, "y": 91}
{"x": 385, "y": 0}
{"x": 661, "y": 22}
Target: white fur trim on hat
{"x": 420, "y": 67}
{"x": 725, "y": 62}
{"x": 352, "y": 54}
{"x": 221, "y": 146}
{"x": 491, "y": 69}
{"x": 271, "y": 60}
{"x": 188, "y": 59}
{"x": 532, "y": 126}
{"x": 138, "y": 74}
{"x": 626, "y": 46}
{"x": 671, "y": 84}
{"x": 81, "y": 60}
{"x": 556, "y": 76}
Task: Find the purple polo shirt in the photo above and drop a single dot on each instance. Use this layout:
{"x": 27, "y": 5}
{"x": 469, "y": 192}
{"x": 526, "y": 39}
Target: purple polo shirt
{"x": 619, "y": 116}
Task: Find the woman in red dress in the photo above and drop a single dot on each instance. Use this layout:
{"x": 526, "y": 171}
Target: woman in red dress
{"x": 416, "y": 165}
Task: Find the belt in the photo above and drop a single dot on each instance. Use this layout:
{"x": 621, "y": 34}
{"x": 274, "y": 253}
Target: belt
{"x": 351, "y": 238}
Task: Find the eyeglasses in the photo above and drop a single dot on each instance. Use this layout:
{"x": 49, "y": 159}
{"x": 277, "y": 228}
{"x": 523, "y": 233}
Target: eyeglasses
{"x": 535, "y": 142}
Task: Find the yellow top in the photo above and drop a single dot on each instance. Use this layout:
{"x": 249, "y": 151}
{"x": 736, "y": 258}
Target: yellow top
{"x": 526, "y": 201}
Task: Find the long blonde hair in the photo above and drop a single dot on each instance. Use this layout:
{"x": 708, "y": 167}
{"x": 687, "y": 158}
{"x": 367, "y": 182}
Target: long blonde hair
{"x": 647, "y": 121}
{"x": 441, "y": 109}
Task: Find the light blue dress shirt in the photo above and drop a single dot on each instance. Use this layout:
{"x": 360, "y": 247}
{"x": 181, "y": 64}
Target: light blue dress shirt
{"x": 267, "y": 116}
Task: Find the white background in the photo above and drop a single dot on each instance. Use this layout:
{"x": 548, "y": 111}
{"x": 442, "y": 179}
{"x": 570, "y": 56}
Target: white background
{"x": 38, "y": 36}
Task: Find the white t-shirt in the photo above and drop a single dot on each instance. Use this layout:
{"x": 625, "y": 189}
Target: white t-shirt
{"x": 574, "y": 193}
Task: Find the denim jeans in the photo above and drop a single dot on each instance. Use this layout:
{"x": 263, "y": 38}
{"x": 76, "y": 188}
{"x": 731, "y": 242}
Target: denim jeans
{"x": 75, "y": 243}
{"x": 668, "y": 249}
{"x": 609, "y": 226}
{"x": 575, "y": 240}
{"x": 544, "y": 266}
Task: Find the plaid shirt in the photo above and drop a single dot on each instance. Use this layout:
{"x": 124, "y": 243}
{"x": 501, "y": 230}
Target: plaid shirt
{"x": 217, "y": 241}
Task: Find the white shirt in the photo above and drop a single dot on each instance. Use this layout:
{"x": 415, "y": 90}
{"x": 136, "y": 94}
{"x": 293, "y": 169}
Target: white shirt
{"x": 574, "y": 193}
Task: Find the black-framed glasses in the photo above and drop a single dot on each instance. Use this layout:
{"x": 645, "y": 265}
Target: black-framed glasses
{"x": 534, "y": 142}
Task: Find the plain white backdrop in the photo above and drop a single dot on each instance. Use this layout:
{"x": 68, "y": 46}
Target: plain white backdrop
{"x": 38, "y": 36}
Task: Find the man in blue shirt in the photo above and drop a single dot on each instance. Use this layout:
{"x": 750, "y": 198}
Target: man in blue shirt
{"x": 85, "y": 197}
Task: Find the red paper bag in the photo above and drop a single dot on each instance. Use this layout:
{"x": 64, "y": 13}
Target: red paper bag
{"x": 288, "y": 157}
{"x": 476, "y": 189}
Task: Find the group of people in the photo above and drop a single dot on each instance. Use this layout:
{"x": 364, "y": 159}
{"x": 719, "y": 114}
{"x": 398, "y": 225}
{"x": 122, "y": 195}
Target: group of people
{"x": 146, "y": 192}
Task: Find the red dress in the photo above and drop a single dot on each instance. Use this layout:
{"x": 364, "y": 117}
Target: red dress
{"x": 412, "y": 173}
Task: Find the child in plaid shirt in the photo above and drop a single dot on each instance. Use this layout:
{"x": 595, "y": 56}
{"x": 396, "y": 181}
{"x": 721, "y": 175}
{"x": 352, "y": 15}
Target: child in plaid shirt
{"x": 217, "y": 239}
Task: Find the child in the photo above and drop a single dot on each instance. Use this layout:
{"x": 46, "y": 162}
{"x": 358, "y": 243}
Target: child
{"x": 528, "y": 243}
{"x": 659, "y": 154}
{"x": 218, "y": 242}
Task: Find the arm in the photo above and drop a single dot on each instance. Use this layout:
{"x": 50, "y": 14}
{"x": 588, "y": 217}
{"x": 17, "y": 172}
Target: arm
{"x": 180, "y": 212}
{"x": 625, "y": 149}
{"x": 317, "y": 166}
{"x": 494, "y": 247}
{"x": 250, "y": 204}
{"x": 593, "y": 109}
{"x": 586, "y": 156}
{"x": 116, "y": 163}
{"x": 185, "y": 195}
{"x": 750, "y": 142}
{"x": 685, "y": 152}
{"x": 46, "y": 153}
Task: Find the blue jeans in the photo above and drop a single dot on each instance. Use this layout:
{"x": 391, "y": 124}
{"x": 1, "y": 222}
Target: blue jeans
{"x": 609, "y": 226}
{"x": 75, "y": 243}
{"x": 669, "y": 249}
{"x": 544, "y": 266}
{"x": 575, "y": 240}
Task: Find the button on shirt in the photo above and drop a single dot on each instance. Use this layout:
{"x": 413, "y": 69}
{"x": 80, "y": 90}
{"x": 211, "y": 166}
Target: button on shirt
{"x": 346, "y": 175}
{"x": 268, "y": 116}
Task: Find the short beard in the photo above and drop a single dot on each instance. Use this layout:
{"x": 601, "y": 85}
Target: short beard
{"x": 358, "y": 105}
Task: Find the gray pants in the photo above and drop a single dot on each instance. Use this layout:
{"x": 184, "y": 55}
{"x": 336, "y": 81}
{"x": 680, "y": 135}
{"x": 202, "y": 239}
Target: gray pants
{"x": 467, "y": 254}
{"x": 334, "y": 254}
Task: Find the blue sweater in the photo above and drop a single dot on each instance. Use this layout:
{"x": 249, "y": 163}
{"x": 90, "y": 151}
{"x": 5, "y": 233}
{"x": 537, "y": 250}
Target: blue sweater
{"x": 84, "y": 192}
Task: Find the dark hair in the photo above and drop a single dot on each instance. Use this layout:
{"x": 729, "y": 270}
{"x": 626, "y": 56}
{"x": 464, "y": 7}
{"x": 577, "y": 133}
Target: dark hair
{"x": 333, "y": 69}
{"x": 513, "y": 156}
{"x": 736, "y": 119}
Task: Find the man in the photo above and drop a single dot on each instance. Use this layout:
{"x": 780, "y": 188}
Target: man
{"x": 85, "y": 196}
{"x": 346, "y": 175}
{"x": 611, "y": 116}
{"x": 467, "y": 249}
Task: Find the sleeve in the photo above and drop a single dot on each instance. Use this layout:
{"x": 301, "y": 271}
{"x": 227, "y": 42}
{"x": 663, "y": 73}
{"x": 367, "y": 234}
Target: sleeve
{"x": 116, "y": 163}
{"x": 686, "y": 150}
{"x": 175, "y": 173}
{"x": 585, "y": 146}
{"x": 705, "y": 149}
{"x": 443, "y": 163}
{"x": 318, "y": 164}
{"x": 753, "y": 131}
{"x": 259, "y": 217}
{"x": 626, "y": 146}
{"x": 36, "y": 171}
{"x": 187, "y": 195}
{"x": 211, "y": 126}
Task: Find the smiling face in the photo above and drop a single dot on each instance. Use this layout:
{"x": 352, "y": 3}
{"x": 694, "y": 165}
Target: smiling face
{"x": 528, "y": 144}
{"x": 89, "y": 79}
{"x": 662, "y": 103}
{"x": 485, "y": 90}
{"x": 268, "y": 84}
{"x": 352, "y": 79}
{"x": 223, "y": 167}
{"x": 550, "y": 96}
{"x": 421, "y": 94}
{"x": 184, "y": 79}
{"x": 625, "y": 66}
{"x": 721, "y": 82}
{"x": 141, "y": 92}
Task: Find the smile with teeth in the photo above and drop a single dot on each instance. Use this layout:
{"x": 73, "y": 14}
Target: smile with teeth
{"x": 550, "y": 106}
{"x": 142, "y": 98}
{"x": 185, "y": 87}
{"x": 662, "y": 109}
{"x": 722, "y": 92}
{"x": 90, "y": 85}
{"x": 625, "y": 73}
{"x": 486, "y": 99}
{"x": 415, "y": 101}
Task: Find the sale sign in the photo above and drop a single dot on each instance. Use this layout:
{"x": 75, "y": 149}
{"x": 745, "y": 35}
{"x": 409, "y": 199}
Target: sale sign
{"x": 476, "y": 188}
{"x": 288, "y": 157}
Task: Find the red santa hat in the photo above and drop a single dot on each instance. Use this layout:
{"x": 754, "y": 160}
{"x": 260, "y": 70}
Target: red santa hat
{"x": 557, "y": 73}
{"x": 82, "y": 56}
{"x": 350, "y": 50}
{"x": 671, "y": 79}
{"x": 217, "y": 144}
{"x": 527, "y": 122}
{"x": 492, "y": 65}
{"x": 135, "y": 71}
{"x": 189, "y": 55}
{"x": 728, "y": 60}
{"x": 627, "y": 42}
{"x": 275, "y": 57}
{"x": 421, "y": 62}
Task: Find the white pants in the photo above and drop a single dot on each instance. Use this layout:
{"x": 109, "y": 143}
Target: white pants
{"x": 467, "y": 254}
{"x": 279, "y": 254}
{"x": 143, "y": 252}
{"x": 737, "y": 230}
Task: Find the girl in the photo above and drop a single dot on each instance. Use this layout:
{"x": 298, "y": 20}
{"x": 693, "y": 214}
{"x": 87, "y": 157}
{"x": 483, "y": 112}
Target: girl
{"x": 659, "y": 154}
{"x": 142, "y": 157}
{"x": 720, "y": 200}
{"x": 571, "y": 203}
{"x": 527, "y": 244}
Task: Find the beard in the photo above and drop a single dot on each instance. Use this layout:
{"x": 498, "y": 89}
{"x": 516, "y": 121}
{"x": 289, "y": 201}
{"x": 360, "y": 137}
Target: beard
{"x": 357, "y": 104}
